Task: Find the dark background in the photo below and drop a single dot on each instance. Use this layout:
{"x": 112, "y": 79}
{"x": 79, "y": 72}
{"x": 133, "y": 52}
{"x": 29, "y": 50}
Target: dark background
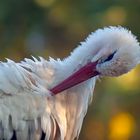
{"x": 53, "y": 28}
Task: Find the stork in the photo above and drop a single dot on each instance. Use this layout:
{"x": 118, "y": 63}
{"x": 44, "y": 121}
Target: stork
{"x": 30, "y": 106}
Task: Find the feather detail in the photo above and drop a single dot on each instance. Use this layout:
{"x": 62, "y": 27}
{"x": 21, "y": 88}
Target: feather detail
{"x": 27, "y": 107}
{"x": 28, "y": 103}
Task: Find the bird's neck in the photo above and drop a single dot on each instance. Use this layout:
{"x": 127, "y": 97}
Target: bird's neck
{"x": 82, "y": 55}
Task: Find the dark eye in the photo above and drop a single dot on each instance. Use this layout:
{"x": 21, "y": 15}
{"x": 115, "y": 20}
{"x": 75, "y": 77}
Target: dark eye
{"x": 110, "y": 57}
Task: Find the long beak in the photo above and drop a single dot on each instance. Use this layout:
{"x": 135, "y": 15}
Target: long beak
{"x": 86, "y": 72}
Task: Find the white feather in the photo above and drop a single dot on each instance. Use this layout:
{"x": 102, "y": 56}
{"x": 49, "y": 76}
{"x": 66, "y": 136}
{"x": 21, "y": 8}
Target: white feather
{"x": 26, "y": 105}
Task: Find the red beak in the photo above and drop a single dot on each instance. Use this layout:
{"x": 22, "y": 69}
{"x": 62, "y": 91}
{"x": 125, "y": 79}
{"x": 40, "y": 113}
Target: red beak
{"x": 86, "y": 72}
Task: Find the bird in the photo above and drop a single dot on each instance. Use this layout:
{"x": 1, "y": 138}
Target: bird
{"x": 44, "y": 99}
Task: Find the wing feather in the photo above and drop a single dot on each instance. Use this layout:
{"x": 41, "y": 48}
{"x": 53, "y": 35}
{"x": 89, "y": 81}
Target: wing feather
{"x": 61, "y": 116}
{"x": 23, "y": 77}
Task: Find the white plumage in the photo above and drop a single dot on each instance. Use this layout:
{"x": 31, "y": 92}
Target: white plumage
{"x": 26, "y": 104}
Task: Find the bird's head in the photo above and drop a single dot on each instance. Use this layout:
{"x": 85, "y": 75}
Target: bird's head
{"x": 115, "y": 51}
{"x": 119, "y": 51}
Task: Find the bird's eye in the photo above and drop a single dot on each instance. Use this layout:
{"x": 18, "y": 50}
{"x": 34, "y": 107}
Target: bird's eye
{"x": 110, "y": 57}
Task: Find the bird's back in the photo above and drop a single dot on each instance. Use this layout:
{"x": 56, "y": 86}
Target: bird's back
{"x": 28, "y": 109}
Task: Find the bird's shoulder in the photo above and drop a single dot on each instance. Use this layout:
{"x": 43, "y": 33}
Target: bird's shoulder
{"x": 33, "y": 76}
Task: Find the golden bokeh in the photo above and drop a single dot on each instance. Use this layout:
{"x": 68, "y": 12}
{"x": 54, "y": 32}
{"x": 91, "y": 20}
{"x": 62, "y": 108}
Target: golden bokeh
{"x": 115, "y": 15}
{"x": 129, "y": 81}
{"x": 121, "y": 126}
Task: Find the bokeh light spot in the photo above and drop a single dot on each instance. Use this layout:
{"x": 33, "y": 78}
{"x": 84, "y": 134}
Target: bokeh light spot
{"x": 129, "y": 81}
{"x": 115, "y": 15}
{"x": 121, "y": 126}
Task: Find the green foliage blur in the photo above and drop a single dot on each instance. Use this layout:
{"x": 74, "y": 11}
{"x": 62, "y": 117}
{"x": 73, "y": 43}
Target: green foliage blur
{"x": 54, "y": 28}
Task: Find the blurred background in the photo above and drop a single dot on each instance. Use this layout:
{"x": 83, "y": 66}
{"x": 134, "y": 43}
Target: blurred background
{"x": 54, "y": 28}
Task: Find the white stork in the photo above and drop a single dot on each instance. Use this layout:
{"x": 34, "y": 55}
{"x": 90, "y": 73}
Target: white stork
{"x": 29, "y": 106}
